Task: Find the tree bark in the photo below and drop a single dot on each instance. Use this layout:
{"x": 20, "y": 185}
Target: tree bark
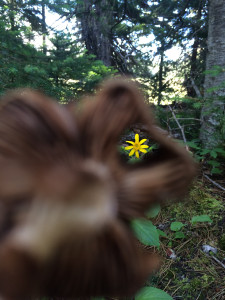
{"x": 213, "y": 120}
{"x": 161, "y": 65}
{"x": 95, "y": 18}
{"x": 194, "y": 67}
{"x": 44, "y": 29}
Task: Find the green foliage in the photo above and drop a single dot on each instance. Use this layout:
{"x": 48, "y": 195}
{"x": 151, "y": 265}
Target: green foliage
{"x": 65, "y": 72}
{"x": 153, "y": 211}
{"x": 161, "y": 233}
{"x": 179, "y": 235}
{"x": 201, "y": 218}
{"x": 176, "y": 226}
{"x": 151, "y": 293}
{"x": 188, "y": 111}
{"x": 215, "y": 71}
{"x": 192, "y": 271}
{"x": 212, "y": 157}
{"x": 149, "y": 235}
{"x": 145, "y": 231}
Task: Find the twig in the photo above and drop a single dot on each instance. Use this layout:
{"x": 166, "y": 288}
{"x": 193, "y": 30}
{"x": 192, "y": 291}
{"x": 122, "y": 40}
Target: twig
{"x": 218, "y": 261}
{"x": 213, "y": 182}
{"x": 189, "y": 119}
{"x": 179, "y": 287}
{"x": 167, "y": 284}
{"x": 220, "y": 293}
{"x": 199, "y": 95}
{"x": 199, "y": 295}
{"x": 186, "y": 125}
{"x": 181, "y": 128}
{"x": 182, "y": 245}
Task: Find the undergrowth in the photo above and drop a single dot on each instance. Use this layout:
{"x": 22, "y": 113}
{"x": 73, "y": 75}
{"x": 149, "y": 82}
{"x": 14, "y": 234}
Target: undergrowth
{"x": 193, "y": 274}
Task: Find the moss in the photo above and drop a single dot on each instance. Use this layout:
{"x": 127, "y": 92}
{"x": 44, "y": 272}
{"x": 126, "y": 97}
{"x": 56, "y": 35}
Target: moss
{"x": 199, "y": 202}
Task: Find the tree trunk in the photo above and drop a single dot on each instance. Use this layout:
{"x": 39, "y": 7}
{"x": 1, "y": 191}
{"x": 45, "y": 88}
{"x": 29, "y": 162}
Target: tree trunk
{"x": 194, "y": 67}
{"x": 161, "y": 65}
{"x": 213, "y": 120}
{"x": 95, "y": 18}
{"x": 44, "y": 29}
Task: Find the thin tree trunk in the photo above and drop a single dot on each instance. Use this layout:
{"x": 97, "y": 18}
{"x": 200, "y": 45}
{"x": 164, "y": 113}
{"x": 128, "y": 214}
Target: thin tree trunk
{"x": 43, "y": 27}
{"x": 194, "y": 66}
{"x": 161, "y": 65}
{"x": 213, "y": 120}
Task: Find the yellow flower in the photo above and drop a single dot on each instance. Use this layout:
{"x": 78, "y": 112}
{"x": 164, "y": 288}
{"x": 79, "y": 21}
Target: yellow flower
{"x": 136, "y": 146}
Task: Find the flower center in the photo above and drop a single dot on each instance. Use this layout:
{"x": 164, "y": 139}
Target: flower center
{"x": 136, "y": 146}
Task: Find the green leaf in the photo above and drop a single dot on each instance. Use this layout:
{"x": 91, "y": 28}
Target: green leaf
{"x": 153, "y": 211}
{"x": 13, "y": 71}
{"x": 170, "y": 244}
{"x": 193, "y": 145}
{"x": 214, "y": 163}
{"x": 197, "y": 105}
{"x": 216, "y": 171}
{"x": 220, "y": 150}
{"x": 151, "y": 293}
{"x": 201, "y": 218}
{"x": 179, "y": 235}
{"x": 205, "y": 151}
{"x": 176, "y": 226}
{"x": 145, "y": 231}
{"x": 161, "y": 233}
{"x": 213, "y": 154}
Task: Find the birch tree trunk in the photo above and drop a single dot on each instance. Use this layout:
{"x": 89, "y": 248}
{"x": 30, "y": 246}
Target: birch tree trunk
{"x": 212, "y": 132}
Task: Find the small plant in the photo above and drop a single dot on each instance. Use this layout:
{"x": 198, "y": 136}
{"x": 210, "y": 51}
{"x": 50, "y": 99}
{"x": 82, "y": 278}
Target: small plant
{"x": 201, "y": 218}
{"x": 154, "y": 211}
{"x": 177, "y": 226}
{"x": 152, "y": 293}
{"x": 146, "y": 232}
{"x": 209, "y": 156}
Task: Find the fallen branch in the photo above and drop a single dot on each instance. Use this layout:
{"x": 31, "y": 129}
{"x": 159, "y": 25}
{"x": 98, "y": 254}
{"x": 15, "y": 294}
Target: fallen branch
{"x": 218, "y": 261}
{"x": 213, "y": 182}
{"x": 186, "y": 125}
{"x": 189, "y": 119}
{"x": 208, "y": 250}
{"x": 198, "y": 93}
{"x": 181, "y": 128}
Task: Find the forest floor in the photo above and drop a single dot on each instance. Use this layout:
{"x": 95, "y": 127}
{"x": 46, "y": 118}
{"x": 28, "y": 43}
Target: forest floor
{"x": 187, "y": 272}
{"x": 193, "y": 274}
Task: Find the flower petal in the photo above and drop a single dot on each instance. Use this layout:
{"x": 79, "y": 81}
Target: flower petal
{"x": 137, "y": 154}
{"x": 132, "y": 143}
{"x": 142, "y": 141}
{"x": 144, "y": 146}
{"x": 143, "y": 150}
{"x": 131, "y": 152}
{"x": 128, "y": 147}
{"x": 137, "y": 138}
